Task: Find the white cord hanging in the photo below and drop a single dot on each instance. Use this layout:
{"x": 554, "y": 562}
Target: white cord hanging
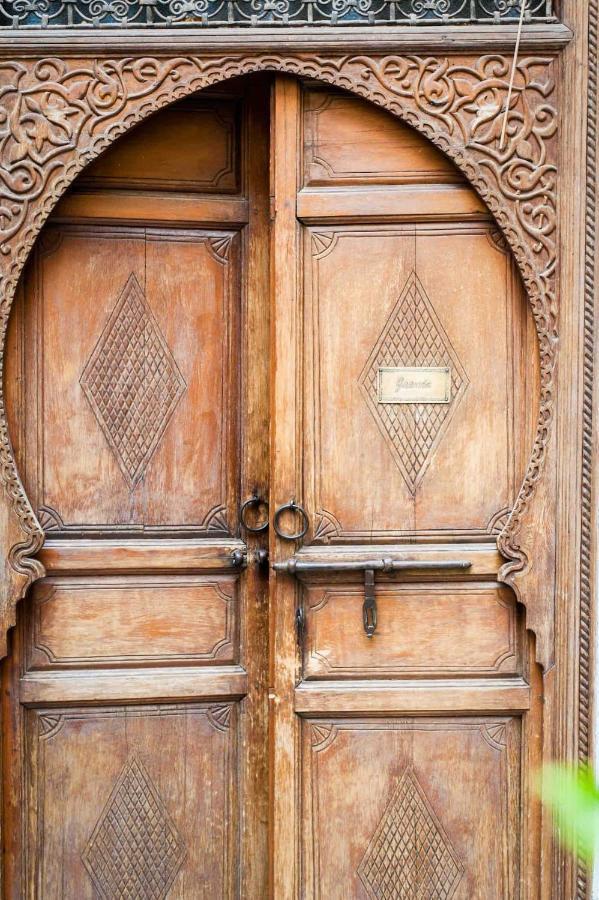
{"x": 512, "y": 76}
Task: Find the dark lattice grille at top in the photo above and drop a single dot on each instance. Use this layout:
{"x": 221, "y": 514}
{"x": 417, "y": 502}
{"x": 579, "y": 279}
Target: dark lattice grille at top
{"x": 124, "y": 13}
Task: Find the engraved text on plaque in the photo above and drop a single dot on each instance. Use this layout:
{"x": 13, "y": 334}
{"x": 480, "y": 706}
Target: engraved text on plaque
{"x": 416, "y": 384}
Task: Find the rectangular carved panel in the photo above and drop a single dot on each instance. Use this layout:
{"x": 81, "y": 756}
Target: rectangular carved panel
{"x": 136, "y": 413}
{"x": 133, "y": 802}
{"x": 439, "y": 296}
{"x": 348, "y": 141}
{"x": 133, "y": 621}
{"x": 423, "y": 629}
{"x": 192, "y": 146}
{"x": 389, "y": 809}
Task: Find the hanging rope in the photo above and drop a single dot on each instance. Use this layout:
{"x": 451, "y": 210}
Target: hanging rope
{"x": 512, "y": 76}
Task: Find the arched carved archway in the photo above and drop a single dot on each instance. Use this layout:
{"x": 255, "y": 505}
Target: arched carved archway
{"x": 57, "y": 115}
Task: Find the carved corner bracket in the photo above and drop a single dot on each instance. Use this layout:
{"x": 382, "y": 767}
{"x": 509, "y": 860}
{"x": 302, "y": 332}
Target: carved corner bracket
{"x": 56, "y": 115}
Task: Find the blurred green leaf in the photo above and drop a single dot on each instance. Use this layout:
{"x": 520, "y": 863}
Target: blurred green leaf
{"x": 573, "y": 797}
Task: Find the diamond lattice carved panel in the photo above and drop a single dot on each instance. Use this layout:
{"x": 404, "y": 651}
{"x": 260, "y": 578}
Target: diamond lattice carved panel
{"x": 410, "y": 856}
{"x": 132, "y": 382}
{"x": 135, "y": 850}
{"x": 413, "y": 337}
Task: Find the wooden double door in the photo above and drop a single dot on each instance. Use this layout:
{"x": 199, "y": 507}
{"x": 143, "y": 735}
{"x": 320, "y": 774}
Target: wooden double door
{"x": 271, "y": 310}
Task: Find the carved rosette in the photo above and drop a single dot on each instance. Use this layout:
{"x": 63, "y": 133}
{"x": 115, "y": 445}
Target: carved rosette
{"x": 57, "y": 115}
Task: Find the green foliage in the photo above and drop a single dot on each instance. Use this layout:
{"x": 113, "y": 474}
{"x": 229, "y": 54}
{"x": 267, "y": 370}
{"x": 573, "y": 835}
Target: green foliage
{"x": 573, "y": 797}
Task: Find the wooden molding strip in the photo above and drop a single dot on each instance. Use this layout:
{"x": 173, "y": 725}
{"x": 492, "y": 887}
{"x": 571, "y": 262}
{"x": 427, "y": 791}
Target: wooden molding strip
{"x": 131, "y": 555}
{"x": 171, "y": 684}
{"x": 391, "y": 203}
{"x": 413, "y": 697}
{"x": 149, "y": 207}
{"x": 393, "y": 39}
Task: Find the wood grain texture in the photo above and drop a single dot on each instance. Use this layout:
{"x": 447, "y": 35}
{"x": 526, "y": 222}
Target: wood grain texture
{"x": 397, "y": 698}
{"x": 85, "y": 555}
{"x": 194, "y": 146}
{"x": 347, "y": 143}
{"x": 284, "y": 467}
{"x": 432, "y": 630}
{"x": 413, "y": 203}
{"x": 435, "y": 831}
{"x": 135, "y": 621}
{"x": 153, "y": 207}
{"x": 375, "y": 39}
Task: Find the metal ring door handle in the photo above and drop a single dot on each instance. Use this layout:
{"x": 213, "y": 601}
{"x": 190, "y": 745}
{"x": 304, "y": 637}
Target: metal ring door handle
{"x": 252, "y": 501}
{"x": 294, "y": 507}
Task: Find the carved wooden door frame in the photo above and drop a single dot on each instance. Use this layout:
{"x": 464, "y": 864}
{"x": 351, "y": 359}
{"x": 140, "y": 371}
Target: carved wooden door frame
{"x": 58, "y": 113}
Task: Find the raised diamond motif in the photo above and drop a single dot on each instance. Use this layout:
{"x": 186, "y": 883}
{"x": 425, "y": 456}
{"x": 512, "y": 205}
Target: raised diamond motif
{"x": 413, "y": 336}
{"x": 135, "y": 850}
{"x": 409, "y": 856}
{"x": 132, "y": 382}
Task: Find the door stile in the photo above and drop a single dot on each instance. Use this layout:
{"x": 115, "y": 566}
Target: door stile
{"x": 255, "y": 480}
{"x": 285, "y": 480}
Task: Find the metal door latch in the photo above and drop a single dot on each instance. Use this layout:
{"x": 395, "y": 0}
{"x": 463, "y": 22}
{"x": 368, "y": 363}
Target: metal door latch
{"x": 300, "y": 622}
{"x": 369, "y": 605}
{"x": 240, "y": 558}
{"x": 297, "y": 565}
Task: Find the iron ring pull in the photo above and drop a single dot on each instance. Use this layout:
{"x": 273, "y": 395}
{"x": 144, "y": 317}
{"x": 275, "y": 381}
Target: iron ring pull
{"x": 294, "y": 507}
{"x": 256, "y": 501}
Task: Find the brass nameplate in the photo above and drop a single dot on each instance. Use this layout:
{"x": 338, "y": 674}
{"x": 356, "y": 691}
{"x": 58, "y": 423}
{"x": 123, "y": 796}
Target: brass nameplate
{"x": 417, "y": 384}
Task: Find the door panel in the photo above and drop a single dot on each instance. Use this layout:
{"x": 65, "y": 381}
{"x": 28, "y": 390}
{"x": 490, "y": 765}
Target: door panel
{"x": 193, "y": 146}
{"x": 107, "y": 784}
{"x": 346, "y": 141}
{"x": 418, "y": 832}
{"x": 415, "y": 300}
{"x": 138, "y": 620}
{"x": 427, "y": 629}
{"x": 180, "y": 340}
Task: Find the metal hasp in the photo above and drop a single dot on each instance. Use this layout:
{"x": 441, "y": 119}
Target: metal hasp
{"x": 297, "y": 566}
{"x": 369, "y": 605}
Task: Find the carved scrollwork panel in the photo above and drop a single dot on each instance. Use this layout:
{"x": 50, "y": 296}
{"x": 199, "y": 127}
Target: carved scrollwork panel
{"x": 56, "y": 115}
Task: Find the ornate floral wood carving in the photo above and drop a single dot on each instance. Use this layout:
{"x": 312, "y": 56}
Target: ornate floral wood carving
{"x": 57, "y": 115}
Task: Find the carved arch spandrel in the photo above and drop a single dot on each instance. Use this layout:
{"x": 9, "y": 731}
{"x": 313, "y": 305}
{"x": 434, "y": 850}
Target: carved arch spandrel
{"x": 57, "y": 115}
